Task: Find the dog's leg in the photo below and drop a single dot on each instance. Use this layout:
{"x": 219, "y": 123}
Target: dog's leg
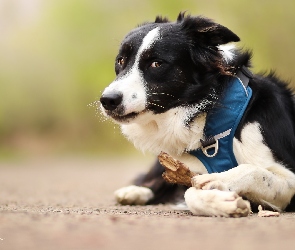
{"x": 216, "y": 203}
{"x": 149, "y": 188}
{"x": 273, "y": 187}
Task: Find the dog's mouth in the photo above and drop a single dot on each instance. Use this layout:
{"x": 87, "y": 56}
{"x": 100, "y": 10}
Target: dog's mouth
{"x": 124, "y": 118}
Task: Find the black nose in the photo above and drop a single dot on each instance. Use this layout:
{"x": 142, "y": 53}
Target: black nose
{"x": 111, "y": 101}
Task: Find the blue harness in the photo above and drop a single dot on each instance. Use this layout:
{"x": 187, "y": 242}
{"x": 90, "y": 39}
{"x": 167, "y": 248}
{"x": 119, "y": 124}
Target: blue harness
{"x": 216, "y": 152}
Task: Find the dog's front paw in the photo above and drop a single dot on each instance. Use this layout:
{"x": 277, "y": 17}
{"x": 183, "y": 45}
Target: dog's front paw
{"x": 208, "y": 182}
{"x": 133, "y": 195}
{"x": 216, "y": 203}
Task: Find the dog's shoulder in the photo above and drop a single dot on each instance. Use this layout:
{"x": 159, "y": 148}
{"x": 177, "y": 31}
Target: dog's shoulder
{"x": 272, "y": 107}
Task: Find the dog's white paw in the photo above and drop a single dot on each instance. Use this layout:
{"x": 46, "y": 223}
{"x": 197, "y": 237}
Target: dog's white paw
{"x": 216, "y": 203}
{"x": 208, "y": 182}
{"x": 133, "y": 195}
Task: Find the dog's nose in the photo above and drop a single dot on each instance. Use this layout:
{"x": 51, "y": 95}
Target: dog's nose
{"x": 111, "y": 101}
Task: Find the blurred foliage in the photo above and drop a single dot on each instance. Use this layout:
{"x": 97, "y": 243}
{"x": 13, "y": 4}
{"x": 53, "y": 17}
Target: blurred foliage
{"x": 56, "y": 56}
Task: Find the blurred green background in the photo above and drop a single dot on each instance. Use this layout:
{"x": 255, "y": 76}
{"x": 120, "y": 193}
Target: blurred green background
{"x": 56, "y": 57}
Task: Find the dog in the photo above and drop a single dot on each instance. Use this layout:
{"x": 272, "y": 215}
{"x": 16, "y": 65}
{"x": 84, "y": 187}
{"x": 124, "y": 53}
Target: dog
{"x": 175, "y": 91}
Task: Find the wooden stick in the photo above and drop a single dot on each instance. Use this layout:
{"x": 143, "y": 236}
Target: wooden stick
{"x": 175, "y": 171}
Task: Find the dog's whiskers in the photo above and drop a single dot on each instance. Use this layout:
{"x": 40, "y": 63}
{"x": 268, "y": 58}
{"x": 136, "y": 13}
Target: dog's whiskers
{"x": 155, "y": 93}
{"x": 156, "y": 105}
{"x": 98, "y": 111}
{"x": 95, "y": 105}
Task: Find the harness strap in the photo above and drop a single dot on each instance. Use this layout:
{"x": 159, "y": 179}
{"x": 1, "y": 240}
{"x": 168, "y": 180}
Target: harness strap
{"x": 212, "y": 142}
{"x": 244, "y": 74}
{"x": 216, "y": 151}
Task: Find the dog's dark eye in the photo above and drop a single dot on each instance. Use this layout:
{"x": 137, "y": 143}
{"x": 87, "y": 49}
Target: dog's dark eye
{"x": 155, "y": 64}
{"x": 120, "y": 61}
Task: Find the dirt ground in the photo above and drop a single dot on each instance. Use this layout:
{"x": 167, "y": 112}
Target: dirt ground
{"x": 68, "y": 204}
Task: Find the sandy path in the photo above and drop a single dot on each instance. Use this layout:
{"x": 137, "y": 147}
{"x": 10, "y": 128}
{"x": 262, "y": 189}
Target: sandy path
{"x": 68, "y": 204}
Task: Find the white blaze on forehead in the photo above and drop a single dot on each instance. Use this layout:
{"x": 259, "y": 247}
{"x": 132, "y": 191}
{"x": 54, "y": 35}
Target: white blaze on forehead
{"x": 132, "y": 84}
{"x": 148, "y": 41}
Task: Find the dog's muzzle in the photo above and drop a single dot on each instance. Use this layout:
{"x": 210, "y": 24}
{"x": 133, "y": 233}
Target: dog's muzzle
{"x": 112, "y": 103}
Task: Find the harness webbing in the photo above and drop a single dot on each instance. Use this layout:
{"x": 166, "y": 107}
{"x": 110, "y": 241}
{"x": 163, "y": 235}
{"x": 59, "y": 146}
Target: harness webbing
{"x": 216, "y": 152}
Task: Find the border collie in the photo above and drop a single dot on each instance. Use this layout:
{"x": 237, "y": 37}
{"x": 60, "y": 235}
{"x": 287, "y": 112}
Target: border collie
{"x": 176, "y": 79}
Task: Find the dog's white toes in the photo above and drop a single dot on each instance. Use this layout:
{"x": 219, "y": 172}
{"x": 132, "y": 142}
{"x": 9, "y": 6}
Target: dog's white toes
{"x": 215, "y": 185}
{"x": 216, "y": 203}
{"x": 133, "y": 195}
{"x": 199, "y": 181}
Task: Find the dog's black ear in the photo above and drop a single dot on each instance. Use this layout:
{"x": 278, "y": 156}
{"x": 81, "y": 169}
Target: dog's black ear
{"x": 206, "y": 31}
{"x": 160, "y": 19}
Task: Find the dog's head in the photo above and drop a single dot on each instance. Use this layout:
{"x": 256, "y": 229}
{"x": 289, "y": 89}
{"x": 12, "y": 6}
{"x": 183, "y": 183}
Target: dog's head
{"x": 162, "y": 65}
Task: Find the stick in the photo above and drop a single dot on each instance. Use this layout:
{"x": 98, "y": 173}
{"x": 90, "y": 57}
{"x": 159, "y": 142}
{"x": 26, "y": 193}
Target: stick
{"x": 175, "y": 171}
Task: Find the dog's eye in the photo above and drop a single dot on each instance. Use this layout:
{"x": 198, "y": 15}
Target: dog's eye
{"x": 120, "y": 61}
{"x": 155, "y": 64}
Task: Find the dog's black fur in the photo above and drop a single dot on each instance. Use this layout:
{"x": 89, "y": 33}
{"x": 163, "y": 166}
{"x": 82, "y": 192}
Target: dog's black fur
{"x": 195, "y": 67}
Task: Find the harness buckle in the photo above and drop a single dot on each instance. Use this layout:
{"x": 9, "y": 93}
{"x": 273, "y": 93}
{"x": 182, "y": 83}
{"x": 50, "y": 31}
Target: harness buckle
{"x": 210, "y": 143}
